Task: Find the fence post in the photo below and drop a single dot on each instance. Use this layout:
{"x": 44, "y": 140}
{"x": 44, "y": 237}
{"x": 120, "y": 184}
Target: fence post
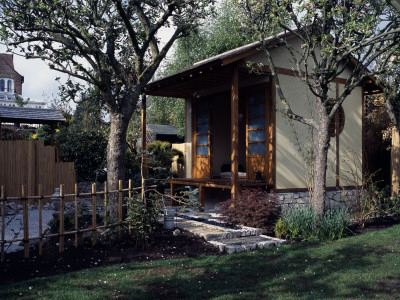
{"x": 105, "y": 205}
{"x": 94, "y": 214}
{"x": 130, "y": 203}
{"x": 3, "y": 221}
{"x": 40, "y": 219}
{"x": 26, "y": 221}
{"x": 119, "y": 209}
{"x": 76, "y": 214}
{"x": 61, "y": 243}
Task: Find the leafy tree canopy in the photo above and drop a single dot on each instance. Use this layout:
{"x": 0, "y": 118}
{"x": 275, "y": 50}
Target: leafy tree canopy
{"x": 111, "y": 44}
{"x": 222, "y": 32}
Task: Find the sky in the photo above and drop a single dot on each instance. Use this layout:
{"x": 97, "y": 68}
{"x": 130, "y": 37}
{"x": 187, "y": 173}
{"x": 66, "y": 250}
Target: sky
{"x": 40, "y": 81}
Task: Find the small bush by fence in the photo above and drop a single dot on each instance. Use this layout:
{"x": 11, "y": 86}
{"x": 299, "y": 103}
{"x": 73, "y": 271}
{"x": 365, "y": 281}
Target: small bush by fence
{"x": 95, "y": 197}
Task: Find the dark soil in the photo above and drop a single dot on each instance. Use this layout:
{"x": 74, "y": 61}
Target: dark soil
{"x": 164, "y": 245}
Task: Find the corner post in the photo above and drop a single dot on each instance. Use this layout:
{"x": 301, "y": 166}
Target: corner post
{"x": 235, "y": 132}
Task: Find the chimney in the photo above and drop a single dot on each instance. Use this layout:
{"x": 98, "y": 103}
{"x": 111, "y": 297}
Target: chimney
{"x": 9, "y": 58}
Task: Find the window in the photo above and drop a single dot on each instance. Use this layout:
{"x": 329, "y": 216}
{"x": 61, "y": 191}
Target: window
{"x": 2, "y": 85}
{"x": 9, "y": 85}
{"x": 337, "y": 123}
{"x": 202, "y": 129}
{"x": 256, "y": 123}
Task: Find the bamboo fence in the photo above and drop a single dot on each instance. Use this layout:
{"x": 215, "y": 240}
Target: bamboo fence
{"x": 94, "y": 194}
{"x": 30, "y": 163}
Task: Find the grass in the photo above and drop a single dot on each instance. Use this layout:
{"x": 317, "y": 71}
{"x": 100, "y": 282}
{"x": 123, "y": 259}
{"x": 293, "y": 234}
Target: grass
{"x": 364, "y": 266}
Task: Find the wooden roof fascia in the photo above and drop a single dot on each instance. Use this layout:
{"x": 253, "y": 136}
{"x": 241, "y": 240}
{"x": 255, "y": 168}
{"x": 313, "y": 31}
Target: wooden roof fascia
{"x": 30, "y": 121}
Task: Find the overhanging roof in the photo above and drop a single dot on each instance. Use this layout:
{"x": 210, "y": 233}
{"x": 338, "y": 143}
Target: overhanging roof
{"x": 217, "y": 71}
{"x": 30, "y": 115}
{"x": 208, "y": 73}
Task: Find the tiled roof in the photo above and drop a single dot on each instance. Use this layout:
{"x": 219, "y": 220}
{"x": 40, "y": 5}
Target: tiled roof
{"x": 30, "y": 115}
{"x": 162, "y": 129}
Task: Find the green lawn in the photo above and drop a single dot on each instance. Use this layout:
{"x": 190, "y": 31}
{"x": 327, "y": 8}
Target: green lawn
{"x": 364, "y": 266}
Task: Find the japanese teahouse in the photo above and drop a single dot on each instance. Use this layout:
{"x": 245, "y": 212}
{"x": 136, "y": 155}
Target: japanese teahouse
{"x": 236, "y": 136}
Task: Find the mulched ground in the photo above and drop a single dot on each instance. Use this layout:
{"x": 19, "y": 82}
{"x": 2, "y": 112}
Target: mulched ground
{"x": 165, "y": 245}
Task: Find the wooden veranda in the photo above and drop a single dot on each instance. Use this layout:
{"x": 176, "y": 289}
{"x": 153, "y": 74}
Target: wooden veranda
{"x": 217, "y": 183}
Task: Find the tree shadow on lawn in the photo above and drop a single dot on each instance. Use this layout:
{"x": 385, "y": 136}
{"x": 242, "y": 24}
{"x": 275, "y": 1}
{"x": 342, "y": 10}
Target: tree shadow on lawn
{"x": 346, "y": 269}
{"x": 297, "y": 271}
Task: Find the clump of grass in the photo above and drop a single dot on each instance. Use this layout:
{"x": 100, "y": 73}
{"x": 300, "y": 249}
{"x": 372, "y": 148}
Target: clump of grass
{"x": 303, "y": 223}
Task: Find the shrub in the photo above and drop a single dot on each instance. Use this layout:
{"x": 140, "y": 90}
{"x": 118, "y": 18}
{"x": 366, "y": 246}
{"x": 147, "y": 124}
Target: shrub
{"x": 371, "y": 202}
{"x": 142, "y": 217}
{"x": 303, "y": 223}
{"x": 252, "y": 207}
{"x": 280, "y": 229}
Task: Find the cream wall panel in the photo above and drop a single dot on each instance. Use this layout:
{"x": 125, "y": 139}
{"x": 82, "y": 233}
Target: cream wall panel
{"x": 292, "y": 136}
{"x": 331, "y": 167}
{"x": 350, "y": 140}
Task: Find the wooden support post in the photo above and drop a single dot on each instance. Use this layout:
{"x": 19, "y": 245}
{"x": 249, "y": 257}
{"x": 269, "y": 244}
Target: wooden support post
{"x": 40, "y": 220}
{"x": 105, "y": 203}
{"x": 130, "y": 203}
{"x": 120, "y": 209}
{"x": 61, "y": 242}
{"x": 395, "y": 162}
{"x": 76, "y": 214}
{"x": 173, "y": 203}
{"x": 3, "y": 221}
{"x": 0, "y": 129}
{"x": 144, "y": 146}
{"x": 26, "y": 221}
{"x": 235, "y": 132}
{"x": 94, "y": 214}
{"x": 201, "y": 196}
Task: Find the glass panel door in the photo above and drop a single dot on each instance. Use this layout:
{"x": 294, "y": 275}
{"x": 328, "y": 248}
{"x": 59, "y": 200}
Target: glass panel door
{"x": 202, "y": 140}
{"x": 256, "y": 134}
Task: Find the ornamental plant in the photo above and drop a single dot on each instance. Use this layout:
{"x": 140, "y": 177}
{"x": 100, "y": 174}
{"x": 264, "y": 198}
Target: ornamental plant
{"x": 252, "y": 207}
{"x": 303, "y": 223}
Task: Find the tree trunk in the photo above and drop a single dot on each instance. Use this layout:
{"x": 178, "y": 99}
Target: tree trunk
{"x": 116, "y": 156}
{"x": 321, "y": 159}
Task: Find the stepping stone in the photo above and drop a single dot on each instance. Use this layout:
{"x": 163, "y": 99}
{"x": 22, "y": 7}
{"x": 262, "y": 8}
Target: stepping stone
{"x": 213, "y": 232}
{"x": 249, "y": 243}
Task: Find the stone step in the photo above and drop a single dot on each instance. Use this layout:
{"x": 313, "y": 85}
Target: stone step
{"x": 213, "y": 232}
{"x": 248, "y": 243}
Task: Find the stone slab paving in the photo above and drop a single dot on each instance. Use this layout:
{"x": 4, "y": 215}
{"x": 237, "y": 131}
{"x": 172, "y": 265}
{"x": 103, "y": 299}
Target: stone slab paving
{"x": 249, "y": 243}
{"x": 229, "y": 240}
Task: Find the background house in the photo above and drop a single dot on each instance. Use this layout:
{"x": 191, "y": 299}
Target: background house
{"x": 11, "y": 83}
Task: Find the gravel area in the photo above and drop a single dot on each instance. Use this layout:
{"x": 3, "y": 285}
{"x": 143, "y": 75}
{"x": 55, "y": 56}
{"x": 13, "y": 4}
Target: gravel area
{"x": 14, "y": 227}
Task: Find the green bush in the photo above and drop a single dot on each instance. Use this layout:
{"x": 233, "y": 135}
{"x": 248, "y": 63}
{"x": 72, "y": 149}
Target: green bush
{"x": 280, "y": 229}
{"x": 303, "y": 223}
{"x": 142, "y": 217}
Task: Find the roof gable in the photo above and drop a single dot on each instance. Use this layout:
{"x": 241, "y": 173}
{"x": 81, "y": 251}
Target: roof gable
{"x": 7, "y": 66}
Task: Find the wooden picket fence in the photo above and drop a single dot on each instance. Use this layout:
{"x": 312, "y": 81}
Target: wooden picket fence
{"x": 94, "y": 194}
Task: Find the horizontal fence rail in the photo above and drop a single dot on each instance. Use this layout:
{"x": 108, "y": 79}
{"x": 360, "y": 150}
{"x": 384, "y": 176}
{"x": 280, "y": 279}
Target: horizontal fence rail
{"x": 39, "y": 199}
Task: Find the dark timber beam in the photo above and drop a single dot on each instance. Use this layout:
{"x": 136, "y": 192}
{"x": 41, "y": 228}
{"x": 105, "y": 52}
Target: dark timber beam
{"x": 143, "y": 166}
{"x": 235, "y": 133}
